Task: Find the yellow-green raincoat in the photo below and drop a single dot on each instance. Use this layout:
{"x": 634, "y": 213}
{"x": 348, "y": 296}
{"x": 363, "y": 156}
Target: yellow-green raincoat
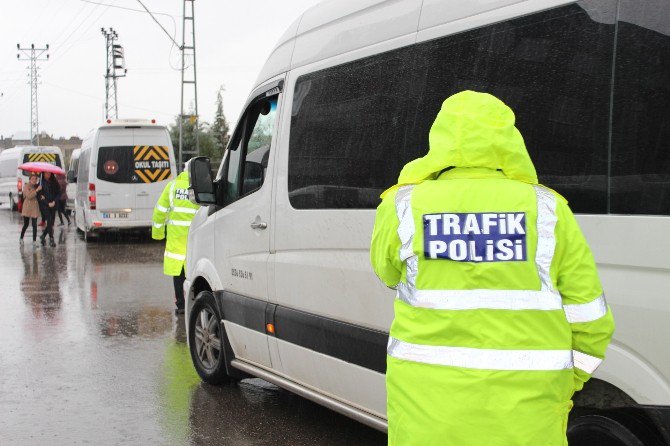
{"x": 500, "y": 316}
{"x": 174, "y": 211}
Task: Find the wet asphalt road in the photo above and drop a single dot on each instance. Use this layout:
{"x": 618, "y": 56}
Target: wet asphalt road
{"x": 90, "y": 353}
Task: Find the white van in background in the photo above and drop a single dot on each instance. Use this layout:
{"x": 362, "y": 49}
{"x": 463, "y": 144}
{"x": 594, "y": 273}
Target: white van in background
{"x": 278, "y": 274}
{"x": 10, "y": 191}
{"x": 123, "y": 166}
{"x": 71, "y": 188}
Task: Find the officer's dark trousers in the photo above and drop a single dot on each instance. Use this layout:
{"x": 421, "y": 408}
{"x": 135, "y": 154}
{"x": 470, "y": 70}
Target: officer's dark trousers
{"x": 179, "y": 289}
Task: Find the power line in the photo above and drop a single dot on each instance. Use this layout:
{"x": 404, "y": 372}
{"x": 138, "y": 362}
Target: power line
{"x": 99, "y": 98}
{"x": 130, "y": 9}
{"x": 159, "y": 24}
{"x": 64, "y": 29}
{"x": 62, "y": 44}
{"x": 83, "y": 33}
{"x": 145, "y": 11}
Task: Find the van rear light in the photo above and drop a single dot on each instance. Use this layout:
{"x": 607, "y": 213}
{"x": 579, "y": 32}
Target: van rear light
{"x": 91, "y": 196}
{"x": 19, "y": 185}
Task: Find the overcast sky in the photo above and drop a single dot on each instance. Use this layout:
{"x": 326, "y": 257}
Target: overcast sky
{"x": 233, "y": 41}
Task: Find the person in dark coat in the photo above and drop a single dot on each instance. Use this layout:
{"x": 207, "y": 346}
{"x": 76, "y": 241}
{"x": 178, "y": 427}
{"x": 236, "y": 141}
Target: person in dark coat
{"x": 48, "y": 204}
{"x": 62, "y": 198}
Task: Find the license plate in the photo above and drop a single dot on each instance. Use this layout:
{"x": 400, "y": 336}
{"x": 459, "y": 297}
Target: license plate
{"x": 114, "y": 215}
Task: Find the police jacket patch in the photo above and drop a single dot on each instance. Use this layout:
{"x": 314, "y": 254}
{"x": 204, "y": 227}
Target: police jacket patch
{"x": 475, "y": 237}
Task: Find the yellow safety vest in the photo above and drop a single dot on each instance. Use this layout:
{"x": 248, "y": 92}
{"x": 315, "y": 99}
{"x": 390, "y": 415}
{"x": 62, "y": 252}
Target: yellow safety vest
{"x": 174, "y": 212}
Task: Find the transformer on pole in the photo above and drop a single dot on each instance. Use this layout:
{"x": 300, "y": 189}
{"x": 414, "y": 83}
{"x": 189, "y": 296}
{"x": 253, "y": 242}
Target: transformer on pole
{"x": 188, "y": 79}
{"x": 33, "y": 55}
{"x": 116, "y": 68}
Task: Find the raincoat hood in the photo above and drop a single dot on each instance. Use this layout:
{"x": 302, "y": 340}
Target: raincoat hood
{"x": 473, "y": 130}
{"x": 183, "y": 176}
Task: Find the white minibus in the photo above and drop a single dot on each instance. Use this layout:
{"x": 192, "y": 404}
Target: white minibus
{"x": 122, "y": 169}
{"x": 9, "y": 186}
{"x": 71, "y": 188}
{"x": 278, "y": 275}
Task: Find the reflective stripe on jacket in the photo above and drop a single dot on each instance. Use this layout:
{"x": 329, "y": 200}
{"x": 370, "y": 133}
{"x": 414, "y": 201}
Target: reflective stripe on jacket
{"x": 173, "y": 214}
{"x": 500, "y": 316}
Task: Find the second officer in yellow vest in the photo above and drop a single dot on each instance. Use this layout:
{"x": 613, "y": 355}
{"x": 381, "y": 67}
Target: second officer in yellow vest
{"x": 172, "y": 215}
{"x": 500, "y": 316}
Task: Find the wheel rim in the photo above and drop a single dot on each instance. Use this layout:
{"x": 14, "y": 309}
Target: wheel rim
{"x": 207, "y": 339}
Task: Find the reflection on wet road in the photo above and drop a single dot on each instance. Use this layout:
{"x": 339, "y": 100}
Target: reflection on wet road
{"x": 91, "y": 353}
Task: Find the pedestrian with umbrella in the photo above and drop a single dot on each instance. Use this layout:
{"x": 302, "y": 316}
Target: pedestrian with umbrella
{"x": 30, "y": 209}
{"x": 48, "y": 197}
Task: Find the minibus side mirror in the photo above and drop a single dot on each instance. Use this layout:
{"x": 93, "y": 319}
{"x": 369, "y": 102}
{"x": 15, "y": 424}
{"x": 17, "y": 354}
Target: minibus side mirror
{"x": 202, "y": 186}
{"x": 71, "y": 176}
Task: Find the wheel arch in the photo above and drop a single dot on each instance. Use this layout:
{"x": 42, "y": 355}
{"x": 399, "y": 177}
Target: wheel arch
{"x": 205, "y": 278}
{"x": 634, "y": 376}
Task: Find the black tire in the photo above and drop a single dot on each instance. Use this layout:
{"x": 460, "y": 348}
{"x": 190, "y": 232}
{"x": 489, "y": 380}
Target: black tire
{"x": 600, "y": 430}
{"x": 90, "y": 236}
{"x": 213, "y": 366}
{"x": 13, "y": 205}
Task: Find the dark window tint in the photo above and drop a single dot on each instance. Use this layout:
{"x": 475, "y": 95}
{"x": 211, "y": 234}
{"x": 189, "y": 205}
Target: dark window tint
{"x": 554, "y": 70}
{"x": 51, "y": 158}
{"x": 640, "y": 181}
{"x": 138, "y": 164}
{"x": 348, "y": 129}
{"x": 354, "y": 126}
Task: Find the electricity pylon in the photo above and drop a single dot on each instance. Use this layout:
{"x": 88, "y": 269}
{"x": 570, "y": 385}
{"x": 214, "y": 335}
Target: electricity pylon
{"x": 188, "y": 79}
{"x": 116, "y": 68}
{"x": 33, "y": 55}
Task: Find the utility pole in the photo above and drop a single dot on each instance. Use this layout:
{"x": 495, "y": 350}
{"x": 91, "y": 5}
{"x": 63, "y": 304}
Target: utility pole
{"x": 188, "y": 79}
{"x": 33, "y": 55}
{"x": 116, "y": 68}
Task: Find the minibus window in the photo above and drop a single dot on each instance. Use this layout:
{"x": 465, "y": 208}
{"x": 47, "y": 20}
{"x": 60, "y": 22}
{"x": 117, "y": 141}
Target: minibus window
{"x": 231, "y": 183}
{"x": 640, "y": 182}
{"x": 258, "y": 147}
{"x": 246, "y": 164}
{"x": 354, "y": 126}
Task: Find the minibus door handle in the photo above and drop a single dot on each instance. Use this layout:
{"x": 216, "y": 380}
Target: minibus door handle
{"x": 258, "y": 224}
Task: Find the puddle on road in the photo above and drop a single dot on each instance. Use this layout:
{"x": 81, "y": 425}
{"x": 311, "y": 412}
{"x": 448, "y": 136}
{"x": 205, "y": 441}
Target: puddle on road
{"x": 91, "y": 353}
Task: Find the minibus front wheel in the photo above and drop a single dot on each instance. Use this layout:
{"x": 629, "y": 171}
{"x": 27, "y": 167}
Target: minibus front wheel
{"x": 210, "y": 350}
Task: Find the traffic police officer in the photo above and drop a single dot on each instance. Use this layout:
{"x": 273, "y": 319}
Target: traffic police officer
{"x": 500, "y": 316}
{"x": 175, "y": 211}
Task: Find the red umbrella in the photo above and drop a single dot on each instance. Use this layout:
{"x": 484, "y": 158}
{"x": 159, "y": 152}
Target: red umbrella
{"x": 39, "y": 166}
